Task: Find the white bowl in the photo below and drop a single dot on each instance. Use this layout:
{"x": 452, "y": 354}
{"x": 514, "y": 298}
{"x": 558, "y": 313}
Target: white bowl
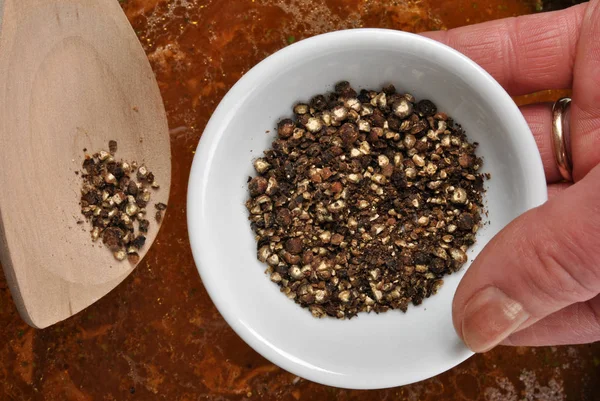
{"x": 370, "y": 351}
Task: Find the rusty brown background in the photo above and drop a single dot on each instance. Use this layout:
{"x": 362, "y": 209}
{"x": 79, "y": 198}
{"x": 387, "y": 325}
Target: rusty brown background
{"x": 158, "y": 336}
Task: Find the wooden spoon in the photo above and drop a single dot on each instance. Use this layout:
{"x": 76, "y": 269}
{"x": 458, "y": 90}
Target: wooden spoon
{"x": 73, "y": 75}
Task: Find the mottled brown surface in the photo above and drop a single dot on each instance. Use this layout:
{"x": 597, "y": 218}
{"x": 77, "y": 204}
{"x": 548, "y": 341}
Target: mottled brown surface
{"x": 158, "y": 336}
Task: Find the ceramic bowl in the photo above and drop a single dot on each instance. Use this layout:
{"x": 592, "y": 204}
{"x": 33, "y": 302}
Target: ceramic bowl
{"x": 370, "y": 351}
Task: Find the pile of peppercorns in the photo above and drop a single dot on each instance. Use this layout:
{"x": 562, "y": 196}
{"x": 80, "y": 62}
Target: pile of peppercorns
{"x": 365, "y": 201}
{"x": 114, "y": 202}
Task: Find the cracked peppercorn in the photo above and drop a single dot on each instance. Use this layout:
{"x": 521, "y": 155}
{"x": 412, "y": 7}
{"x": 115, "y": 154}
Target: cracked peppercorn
{"x": 365, "y": 202}
{"x": 112, "y": 201}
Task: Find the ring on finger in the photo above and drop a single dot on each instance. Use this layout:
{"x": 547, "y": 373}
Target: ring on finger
{"x": 561, "y": 138}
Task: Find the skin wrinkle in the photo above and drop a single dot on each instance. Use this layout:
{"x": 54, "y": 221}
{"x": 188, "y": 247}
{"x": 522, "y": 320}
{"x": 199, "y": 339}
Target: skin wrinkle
{"x": 583, "y": 327}
{"x": 510, "y": 32}
{"x": 554, "y": 278}
{"x": 545, "y": 42}
{"x": 590, "y": 200}
{"x": 538, "y": 117}
{"x": 582, "y": 255}
{"x": 572, "y": 24}
{"x": 539, "y": 47}
{"x": 594, "y": 306}
{"x": 586, "y": 124}
{"x": 479, "y": 42}
{"x": 566, "y": 252}
{"x": 573, "y": 251}
{"x": 586, "y": 95}
{"x": 588, "y": 134}
{"x": 484, "y": 43}
{"x": 592, "y": 46}
{"x": 542, "y": 284}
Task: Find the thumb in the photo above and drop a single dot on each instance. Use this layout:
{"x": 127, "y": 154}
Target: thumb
{"x": 544, "y": 261}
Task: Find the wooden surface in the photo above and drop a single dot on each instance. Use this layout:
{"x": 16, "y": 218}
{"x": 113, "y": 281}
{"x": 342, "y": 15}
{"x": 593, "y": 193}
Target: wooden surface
{"x": 157, "y": 336}
{"x": 73, "y": 75}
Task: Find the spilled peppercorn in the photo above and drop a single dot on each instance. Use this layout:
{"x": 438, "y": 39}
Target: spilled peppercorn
{"x": 365, "y": 201}
{"x": 114, "y": 202}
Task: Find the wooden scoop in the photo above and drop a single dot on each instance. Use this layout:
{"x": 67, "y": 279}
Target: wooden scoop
{"x": 73, "y": 75}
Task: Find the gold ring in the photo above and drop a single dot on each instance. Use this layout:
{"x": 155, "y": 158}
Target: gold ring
{"x": 561, "y": 138}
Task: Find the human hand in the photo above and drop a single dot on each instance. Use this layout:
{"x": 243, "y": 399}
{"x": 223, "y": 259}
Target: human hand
{"x": 538, "y": 281}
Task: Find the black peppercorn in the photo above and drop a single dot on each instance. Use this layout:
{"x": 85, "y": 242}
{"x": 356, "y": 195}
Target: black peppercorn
{"x": 285, "y": 128}
{"x": 318, "y": 103}
{"x": 427, "y": 108}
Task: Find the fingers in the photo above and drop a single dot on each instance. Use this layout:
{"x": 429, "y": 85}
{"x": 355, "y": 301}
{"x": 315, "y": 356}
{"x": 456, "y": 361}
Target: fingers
{"x": 575, "y": 324}
{"x": 544, "y": 261}
{"x": 524, "y": 54}
{"x": 585, "y": 109}
{"x": 539, "y": 118}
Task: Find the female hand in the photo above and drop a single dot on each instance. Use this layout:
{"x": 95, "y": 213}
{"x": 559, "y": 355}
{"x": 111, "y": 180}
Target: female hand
{"x": 538, "y": 281}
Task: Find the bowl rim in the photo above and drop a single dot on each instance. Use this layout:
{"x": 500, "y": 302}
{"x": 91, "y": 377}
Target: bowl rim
{"x": 197, "y": 188}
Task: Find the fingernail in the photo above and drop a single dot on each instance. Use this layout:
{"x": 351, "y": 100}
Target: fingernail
{"x": 489, "y": 317}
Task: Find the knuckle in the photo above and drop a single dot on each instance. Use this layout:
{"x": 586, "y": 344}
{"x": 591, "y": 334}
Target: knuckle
{"x": 480, "y": 42}
{"x": 564, "y": 270}
{"x": 543, "y": 50}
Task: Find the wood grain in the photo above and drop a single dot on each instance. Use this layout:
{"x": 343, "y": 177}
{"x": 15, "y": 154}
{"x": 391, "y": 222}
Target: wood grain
{"x": 73, "y": 75}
